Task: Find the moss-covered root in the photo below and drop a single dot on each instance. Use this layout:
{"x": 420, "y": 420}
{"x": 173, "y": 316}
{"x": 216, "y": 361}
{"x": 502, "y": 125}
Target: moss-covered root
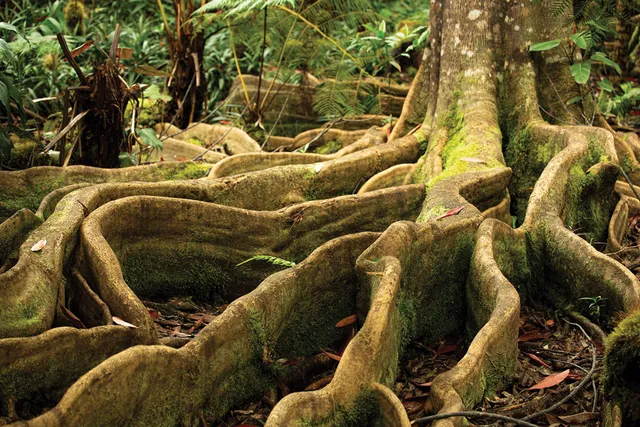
{"x": 284, "y": 185}
{"x": 320, "y": 139}
{"x": 52, "y": 361}
{"x": 371, "y": 357}
{"x": 291, "y": 314}
{"x": 13, "y": 232}
{"x": 177, "y": 150}
{"x": 249, "y": 162}
{"x": 234, "y": 140}
{"x": 626, "y": 208}
{"x": 622, "y": 368}
{"x": 576, "y": 191}
{"x": 493, "y": 314}
{"x": 27, "y": 188}
{"x": 391, "y": 177}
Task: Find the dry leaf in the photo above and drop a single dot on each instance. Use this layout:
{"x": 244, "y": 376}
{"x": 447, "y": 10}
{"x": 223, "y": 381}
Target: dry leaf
{"x": 550, "y": 323}
{"x": 72, "y": 317}
{"x": 551, "y": 381}
{"x": 580, "y": 418}
{"x": 332, "y": 356}
{"x": 540, "y": 361}
{"x": 125, "y": 53}
{"x": 534, "y": 336}
{"x": 150, "y": 71}
{"x": 349, "y": 320}
{"x": 445, "y": 349}
{"x": 119, "y": 321}
{"x": 39, "y": 246}
{"x": 454, "y": 211}
{"x": 154, "y": 314}
{"x": 412, "y": 406}
{"x": 197, "y": 325}
{"x": 77, "y": 51}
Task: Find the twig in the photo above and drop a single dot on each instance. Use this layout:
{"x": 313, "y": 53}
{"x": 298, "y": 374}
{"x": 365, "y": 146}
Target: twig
{"x": 473, "y": 414}
{"x": 64, "y": 131}
{"x": 67, "y": 54}
{"x": 114, "y": 43}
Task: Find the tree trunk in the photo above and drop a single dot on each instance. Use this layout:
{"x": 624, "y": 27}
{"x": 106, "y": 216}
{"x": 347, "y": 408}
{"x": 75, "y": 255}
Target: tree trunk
{"x": 433, "y": 258}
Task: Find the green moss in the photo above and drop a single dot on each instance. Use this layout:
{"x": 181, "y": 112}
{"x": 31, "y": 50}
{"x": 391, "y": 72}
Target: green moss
{"x": 622, "y": 368}
{"x": 310, "y": 173}
{"x": 434, "y": 212}
{"x": 187, "y": 170}
{"x": 196, "y": 141}
{"x": 10, "y": 203}
{"x": 310, "y": 324}
{"x": 330, "y": 147}
{"x": 364, "y": 412}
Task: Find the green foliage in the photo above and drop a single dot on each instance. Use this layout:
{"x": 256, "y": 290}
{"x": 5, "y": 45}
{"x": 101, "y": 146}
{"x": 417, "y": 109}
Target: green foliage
{"x": 541, "y": 46}
{"x": 595, "y": 306}
{"x": 619, "y": 103}
{"x": 270, "y": 259}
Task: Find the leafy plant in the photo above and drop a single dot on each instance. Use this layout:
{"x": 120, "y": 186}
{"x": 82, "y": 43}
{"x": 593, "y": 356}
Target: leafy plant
{"x": 595, "y": 306}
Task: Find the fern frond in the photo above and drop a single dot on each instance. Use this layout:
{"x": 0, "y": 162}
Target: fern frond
{"x": 270, "y": 259}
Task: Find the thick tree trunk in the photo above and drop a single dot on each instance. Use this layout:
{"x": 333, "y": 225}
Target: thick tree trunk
{"x": 496, "y": 138}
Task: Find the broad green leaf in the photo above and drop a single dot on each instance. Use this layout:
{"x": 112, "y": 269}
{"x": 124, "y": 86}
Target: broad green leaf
{"x": 581, "y": 71}
{"x": 579, "y": 40}
{"x": 395, "y": 65}
{"x": 602, "y": 57}
{"x": 4, "y": 96}
{"x": 574, "y": 100}
{"x": 8, "y": 27}
{"x": 538, "y": 47}
{"x": 5, "y": 145}
{"x": 606, "y": 85}
{"x": 127, "y": 160}
{"x": 148, "y": 136}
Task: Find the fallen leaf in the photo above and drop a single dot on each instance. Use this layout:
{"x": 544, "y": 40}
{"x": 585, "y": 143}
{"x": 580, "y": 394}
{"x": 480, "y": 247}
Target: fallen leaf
{"x": 349, "y": 320}
{"x": 154, "y": 314}
{"x": 550, "y": 323}
{"x": 72, "y": 317}
{"x": 412, "y": 406}
{"x": 454, "y": 211}
{"x": 119, "y": 321}
{"x": 39, "y": 246}
{"x": 540, "y": 361}
{"x": 580, "y": 418}
{"x": 472, "y": 160}
{"x": 445, "y": 349}
{"x": 551, "y": 381}
{"x": 197, "y": 325}
{"x": 332, "y": 356}
{"x": 533, "y": 336}
{"x": 553, "y": 420}
{"x": 428, "y": 384}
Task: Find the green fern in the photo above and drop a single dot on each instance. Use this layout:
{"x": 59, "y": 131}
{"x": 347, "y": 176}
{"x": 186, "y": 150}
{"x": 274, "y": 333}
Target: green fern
{"x": 270, "y": 259}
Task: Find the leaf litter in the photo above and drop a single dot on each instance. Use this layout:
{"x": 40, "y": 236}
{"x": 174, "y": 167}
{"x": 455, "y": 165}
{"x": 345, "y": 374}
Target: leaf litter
{"x": 553, "y": 358}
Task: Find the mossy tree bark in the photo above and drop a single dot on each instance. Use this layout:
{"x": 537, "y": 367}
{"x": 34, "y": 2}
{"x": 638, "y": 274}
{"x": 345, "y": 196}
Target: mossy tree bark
{"x": 496, "y": 138}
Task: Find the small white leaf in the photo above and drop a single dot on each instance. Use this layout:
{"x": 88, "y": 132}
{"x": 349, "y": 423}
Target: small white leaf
{"x": 318, "y": 167}
{"x": 119, "y": 321}
{"x": 39, "y": 246}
